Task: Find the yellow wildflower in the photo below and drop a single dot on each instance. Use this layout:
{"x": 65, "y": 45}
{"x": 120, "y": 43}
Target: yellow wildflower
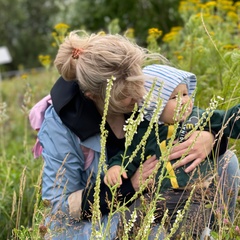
{"x": 183, "y": 3}
{"x": 237, "y": 4}
{"x": 54, "y": 44}
{"x": 45, "y": 60}
{"x": 225, "y": 2}
{"x": 202, "y": 6}
{"x": 169, "y": 36}
{"x": 61, "y": 31}
{"x": 179, "y": 57}
{"x": 230, "y": 46}
{"x": 202, "y": 15}
{"x": 24, "y": 76}
{"x": 153, "y": 35}
{"x": 211, "y": 4}
{"x": 61, "y": 26}
{"x": 211, "y": 33}
{"x": 232, "y": 16}
{"x": 226, "y": 6}
{"x": 154, "y": 32}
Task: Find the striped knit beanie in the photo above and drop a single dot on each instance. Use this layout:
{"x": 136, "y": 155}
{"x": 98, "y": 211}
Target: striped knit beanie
{"x": 167, "y": 79}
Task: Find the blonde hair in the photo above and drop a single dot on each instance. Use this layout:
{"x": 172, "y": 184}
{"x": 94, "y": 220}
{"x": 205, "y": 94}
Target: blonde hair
{"x": 99, "y": 58}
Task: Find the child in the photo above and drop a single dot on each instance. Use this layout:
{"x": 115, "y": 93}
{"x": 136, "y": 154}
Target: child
{"x": 177, "y": 86}
{"x": 175, "y": 83}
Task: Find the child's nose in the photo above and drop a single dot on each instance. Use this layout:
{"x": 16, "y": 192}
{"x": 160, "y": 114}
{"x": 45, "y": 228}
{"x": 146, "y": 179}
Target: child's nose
{"x": 184, "y": 100}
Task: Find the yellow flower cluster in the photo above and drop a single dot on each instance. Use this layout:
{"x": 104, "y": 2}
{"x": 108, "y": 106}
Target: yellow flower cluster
{"x": 196, "y": 7}
{"x": 24, "y": 76}
{"x": 61, "y": 30}
{"x": 230, "y": 46}
{"x": 172, "y": 34}
{"x": 154, "y": 33}
{"x": 223, "y": 13}
{"x": 211, "y": 4}
{"x": 232, "y": 16}
{"x": 45, "y": 60}
{"x": 61, "y": 27}
{"x": 189, "y": 6}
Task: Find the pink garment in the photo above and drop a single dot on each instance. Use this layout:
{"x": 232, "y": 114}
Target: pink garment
{"x": 88, "y": 156}
{"x": 36, "y": 117}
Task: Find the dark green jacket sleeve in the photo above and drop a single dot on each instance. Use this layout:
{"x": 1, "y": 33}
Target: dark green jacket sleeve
{"x": 132, "y": 166}
{"x": 226, "y": 122}
{"x": 115, "y": 160}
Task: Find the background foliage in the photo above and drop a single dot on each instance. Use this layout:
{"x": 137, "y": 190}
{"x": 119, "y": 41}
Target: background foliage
{"x": 26, "y": 25}
{"x": 197, "y": 36}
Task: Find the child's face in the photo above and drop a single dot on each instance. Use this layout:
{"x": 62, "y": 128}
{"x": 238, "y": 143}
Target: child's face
{"x": 178, "y": 107}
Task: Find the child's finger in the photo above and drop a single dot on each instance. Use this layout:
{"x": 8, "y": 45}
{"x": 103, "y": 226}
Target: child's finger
{"x": 124, "y": 174}
{"x": 105, "y": 180}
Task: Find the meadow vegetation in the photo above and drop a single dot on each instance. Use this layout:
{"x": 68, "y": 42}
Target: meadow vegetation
{"x": 207, "y": 44}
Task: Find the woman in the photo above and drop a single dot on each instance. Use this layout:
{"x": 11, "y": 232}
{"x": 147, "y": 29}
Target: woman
{"x": 70, "y": 132}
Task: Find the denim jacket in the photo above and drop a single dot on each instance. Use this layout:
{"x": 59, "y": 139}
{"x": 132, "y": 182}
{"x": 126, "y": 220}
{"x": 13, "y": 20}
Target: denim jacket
{"x": 64, "y": 151}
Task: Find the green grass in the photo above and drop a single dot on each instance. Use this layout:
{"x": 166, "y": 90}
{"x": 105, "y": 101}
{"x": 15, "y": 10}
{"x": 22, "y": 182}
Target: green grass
{"x": 206, "y": 46}
{"x": 20, "y": 205}
{"x": 19, "y": 172}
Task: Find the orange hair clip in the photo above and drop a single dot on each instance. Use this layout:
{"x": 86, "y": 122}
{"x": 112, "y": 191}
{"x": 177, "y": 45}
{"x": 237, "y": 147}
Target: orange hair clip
{"x": 76, "y": 52}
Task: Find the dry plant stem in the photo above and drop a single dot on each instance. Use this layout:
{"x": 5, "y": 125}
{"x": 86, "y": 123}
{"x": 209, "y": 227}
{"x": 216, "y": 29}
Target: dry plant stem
{"x": 25, "y": 109}
{"x": 2, "y": 143}
{"x": 130, "y": 131}
{"x": 38, "y": 195}
{"x": 132, "y": 125}
{"x": 96, "y": 214}
{"x": 219, "y": 197}
{"x": 8, "y": 174}
{"x": 214, "y": 44}
{"x": 14, "y": 202}
{"x": 149, "y": 218}
{"x": 3, "y": 119}
{"x": 20, "y": 199}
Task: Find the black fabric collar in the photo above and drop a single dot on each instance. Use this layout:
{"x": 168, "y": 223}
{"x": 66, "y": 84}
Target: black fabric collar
{"x": 76, "y": 112}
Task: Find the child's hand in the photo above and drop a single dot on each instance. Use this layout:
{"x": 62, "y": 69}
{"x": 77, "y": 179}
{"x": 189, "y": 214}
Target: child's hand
{"x": 113, "y": 176}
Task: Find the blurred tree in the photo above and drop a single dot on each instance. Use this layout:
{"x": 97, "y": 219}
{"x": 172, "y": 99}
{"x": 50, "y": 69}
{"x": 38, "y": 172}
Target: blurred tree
{"x": 25, "y": 27}
{"x": 26, "y": 24}
{"x": 137, "y": 14}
